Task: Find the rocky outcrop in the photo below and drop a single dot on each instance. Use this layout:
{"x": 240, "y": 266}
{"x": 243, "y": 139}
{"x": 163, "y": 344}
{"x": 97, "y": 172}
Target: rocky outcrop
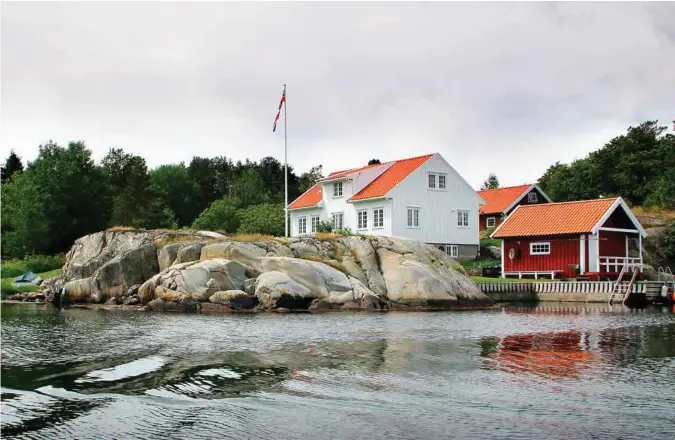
{"x": 197, "y": 280}
{"x": 350, "y": 273}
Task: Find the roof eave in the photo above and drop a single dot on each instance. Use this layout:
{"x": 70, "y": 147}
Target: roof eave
{"x": 619, "y": 202}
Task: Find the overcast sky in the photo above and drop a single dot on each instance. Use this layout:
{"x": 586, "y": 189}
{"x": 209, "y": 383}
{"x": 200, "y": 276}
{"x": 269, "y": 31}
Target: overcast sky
{"x": 494, "y": 87}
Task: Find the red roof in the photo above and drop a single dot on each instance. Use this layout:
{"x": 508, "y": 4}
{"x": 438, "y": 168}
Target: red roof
{"x": 310, "y": 198}
{"x": 497, "y": 200}
{"x": 554, "y": 218}
{"x": 394, "y": 175}
{"x": 379, "y": 187}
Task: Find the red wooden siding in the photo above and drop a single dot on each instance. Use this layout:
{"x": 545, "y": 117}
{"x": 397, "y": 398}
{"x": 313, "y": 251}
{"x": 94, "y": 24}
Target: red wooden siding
{"x": 564, "y": 251}
{"x": 482, "y": 225}
{"x": 612, "y": 244}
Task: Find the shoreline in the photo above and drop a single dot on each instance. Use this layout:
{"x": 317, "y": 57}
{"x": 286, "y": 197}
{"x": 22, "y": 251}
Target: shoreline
{"x": 216, "y": 309}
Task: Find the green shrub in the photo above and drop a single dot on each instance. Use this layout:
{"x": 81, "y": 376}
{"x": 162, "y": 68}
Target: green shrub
{"x": 325, "y": 226}
{"x": 34, "y": 263}
{"x": 345, "y": 232}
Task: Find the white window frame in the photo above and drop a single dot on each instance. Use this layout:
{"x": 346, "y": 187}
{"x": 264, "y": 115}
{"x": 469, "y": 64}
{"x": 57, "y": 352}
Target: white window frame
{"x": 532, "y": 197}
{"x": 434, "y": 181}
{"x": 487, "y": 222}
{"x": 540, "y": 251}
{"x": 362, "y": 219}
{"x": 431, "y": 180}
{"x": 337, "y": 190}
{"x": 315, "y": 225}
{"x": 375, "y": 223}
{"x": 410, "y": 217}
{"x": 339, "y": 215}
{"x": 462, "y": 218}
{"x": 445, "y": 181}
{"x": 451, "y": 249}
{"x": 302, "y": 225}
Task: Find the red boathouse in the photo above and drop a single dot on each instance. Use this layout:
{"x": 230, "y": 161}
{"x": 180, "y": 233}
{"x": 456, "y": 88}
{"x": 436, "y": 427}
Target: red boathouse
{"x": 594, "y": 238}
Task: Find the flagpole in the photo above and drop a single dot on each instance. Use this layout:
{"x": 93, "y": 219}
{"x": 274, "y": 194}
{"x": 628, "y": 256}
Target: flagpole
{"x": 285, "y": 167}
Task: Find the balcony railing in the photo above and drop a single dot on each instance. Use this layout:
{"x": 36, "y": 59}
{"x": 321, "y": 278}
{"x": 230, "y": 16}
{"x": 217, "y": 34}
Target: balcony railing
{"x": 614, "y": 264}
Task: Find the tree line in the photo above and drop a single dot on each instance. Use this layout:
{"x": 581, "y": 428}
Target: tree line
{"x": 63, "y": 194}
{"x": 639, "y": 166}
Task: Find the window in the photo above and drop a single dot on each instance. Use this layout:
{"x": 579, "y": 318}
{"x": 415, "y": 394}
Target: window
{"x": 315, "y": 223}
{"x": 432, "y": 180}
{"x": 463, "y": 219}
{"x": 302, "y": 225}
{"x": 452, "y": 250}
{"x": 413, "y": 217}
{"x": 337, "y": 189}
{"x": 337, "y": 220}
{"x": 541, "y": 248}
{"x": 437, "y": 180}
{"x": 490, "y": 222}
{"x": 362, "y": 219}
{"x": 378, "y": 218}
{"x": 532, "y": 197}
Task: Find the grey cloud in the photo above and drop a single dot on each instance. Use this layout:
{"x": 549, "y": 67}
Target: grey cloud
{"x": 504, "y": 87}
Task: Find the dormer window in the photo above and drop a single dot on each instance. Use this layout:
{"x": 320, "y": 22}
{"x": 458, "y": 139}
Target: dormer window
{"x": 532, "y": 197}
{"x": 337, "y": 189}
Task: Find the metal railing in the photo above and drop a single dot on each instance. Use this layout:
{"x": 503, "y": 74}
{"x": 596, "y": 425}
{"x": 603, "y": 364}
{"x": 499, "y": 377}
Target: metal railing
{"x": 615, "y": 264}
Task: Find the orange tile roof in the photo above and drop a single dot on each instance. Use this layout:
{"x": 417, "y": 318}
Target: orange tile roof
{"x": 497, "y": 200}
{"x": 394, "y": 175}
{"x": 554, "y": 218}
{"x": 379, "y": 187}
{"x": 310, "y": 198}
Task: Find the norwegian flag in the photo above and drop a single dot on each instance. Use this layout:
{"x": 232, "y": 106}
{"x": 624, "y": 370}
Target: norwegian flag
{"x": 281, "y": 103}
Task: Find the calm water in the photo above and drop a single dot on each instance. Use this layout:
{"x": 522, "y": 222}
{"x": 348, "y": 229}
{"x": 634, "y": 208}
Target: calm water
{"x": 516, "y": 372}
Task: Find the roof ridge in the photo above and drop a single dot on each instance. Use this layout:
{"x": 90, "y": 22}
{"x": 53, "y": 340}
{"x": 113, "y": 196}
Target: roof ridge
{"x": 506, "y": 187}
{"x": 382, "y": 163}
{"x": 569, "y": 202}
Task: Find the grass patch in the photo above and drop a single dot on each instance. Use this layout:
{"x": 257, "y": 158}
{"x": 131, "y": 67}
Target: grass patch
{"x": 508, "y": 280}
{"x": 458, "y": 267}
{"x": 8, "y": 289}
{"x": 653, "y": 216}
{"x": 480, "y": 263}
{"x": 34, "y": 263}
{"x": 325, "y": 236}
{"x": 331, "y": 263}
{"x": 175, "y": 238}
{"x": 249, "y": 238}
{"x": 123, "y": 229}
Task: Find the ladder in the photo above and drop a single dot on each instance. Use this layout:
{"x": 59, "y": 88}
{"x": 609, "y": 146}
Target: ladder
{"x": 621, "y": 290}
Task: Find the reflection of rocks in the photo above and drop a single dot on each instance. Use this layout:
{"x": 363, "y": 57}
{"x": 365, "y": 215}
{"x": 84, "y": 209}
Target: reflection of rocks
{"x": 349, "y": 273}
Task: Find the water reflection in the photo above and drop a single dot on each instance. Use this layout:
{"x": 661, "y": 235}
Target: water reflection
{"x": 520, "y": 371}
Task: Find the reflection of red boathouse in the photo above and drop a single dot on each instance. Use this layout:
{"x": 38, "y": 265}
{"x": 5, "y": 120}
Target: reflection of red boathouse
{"x": 547, "y": 354}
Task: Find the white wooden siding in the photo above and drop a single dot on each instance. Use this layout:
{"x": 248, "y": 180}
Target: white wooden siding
{"x": 296, "y": 214}
{"x": 369, "y": 207}
{"x": 438, "y": 208}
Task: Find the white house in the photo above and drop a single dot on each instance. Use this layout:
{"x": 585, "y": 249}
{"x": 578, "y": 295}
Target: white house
{"x": 421, "y": 198}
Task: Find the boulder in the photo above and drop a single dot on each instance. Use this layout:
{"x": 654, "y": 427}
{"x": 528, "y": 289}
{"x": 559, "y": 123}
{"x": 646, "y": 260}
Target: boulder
{"x": 197, "y": 280}
{"x": 274, "y": 289}
{"x": 131, "y": 301}
{"x": 320, "y": 305}
{"x": 246, "y": 254}
{"x": 92, "y": 251}
{"x": 494, "y": 252}
{"x": 410, "y": 281}
{"x": 167, "y": 255}
{"x": 249, "y": 286}
{"x": 319, "y": 278}
{"x": 309, "y": 247}
{"x": 363, "y": 252}
{"x": 116, "y": 276}
{"x": 235, "y": 299}
{"x": 189, "y": 252}
{"x": 133, "y": 290}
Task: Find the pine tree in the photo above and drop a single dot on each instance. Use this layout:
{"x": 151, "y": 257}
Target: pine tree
{"x": 12, "y": 165}
{"x": 490, "y": 183}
